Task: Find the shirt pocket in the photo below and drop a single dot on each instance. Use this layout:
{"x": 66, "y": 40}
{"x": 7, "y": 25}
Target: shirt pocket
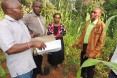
{"x": 97, "y": 30}
{"x": 97, "y": 33}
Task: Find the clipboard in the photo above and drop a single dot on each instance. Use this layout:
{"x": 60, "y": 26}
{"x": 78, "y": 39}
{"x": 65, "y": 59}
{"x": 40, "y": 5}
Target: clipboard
{"x": 46, "y": 38}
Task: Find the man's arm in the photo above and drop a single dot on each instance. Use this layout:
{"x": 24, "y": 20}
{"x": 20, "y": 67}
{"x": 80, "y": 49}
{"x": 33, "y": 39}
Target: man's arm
{"x": 100, "y": 43}
{"x": 81, "y": 36}
{"x": 9, "y": 45}
{"x": 17, "y": 48}
{"x": 79, "y": 40}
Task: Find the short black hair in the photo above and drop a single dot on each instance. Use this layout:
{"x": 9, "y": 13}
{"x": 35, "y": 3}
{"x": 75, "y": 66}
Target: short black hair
{"x": 57, "y": 14}
{"x": 36, "y": 1}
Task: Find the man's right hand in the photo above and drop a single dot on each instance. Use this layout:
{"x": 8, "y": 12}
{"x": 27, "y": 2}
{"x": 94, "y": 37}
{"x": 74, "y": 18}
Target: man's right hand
{"x": 17, "y": 48}
{"x": 38, "y": 44}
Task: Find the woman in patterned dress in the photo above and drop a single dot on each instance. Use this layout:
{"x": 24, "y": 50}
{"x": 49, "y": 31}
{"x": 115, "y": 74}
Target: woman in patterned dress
{"x": 58, "y": 30}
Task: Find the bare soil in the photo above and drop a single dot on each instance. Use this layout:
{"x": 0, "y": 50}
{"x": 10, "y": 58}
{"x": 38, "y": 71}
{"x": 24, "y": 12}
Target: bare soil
{"x": 61, "y": 72}
{"x": 55, "y": 73}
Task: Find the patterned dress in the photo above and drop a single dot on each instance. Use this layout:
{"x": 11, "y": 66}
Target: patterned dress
{"x": 56, "y": 58}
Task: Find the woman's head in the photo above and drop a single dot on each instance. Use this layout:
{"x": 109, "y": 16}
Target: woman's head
{"x": 57, "y": 17}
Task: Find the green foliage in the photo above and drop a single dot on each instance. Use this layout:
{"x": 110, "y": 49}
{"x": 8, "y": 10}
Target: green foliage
{"x": 2, "y": 72}
{"x": 111, "y": 8}
{"x": 108, "y": 48}
{"x": 2, "y": 58}
{"x": 110, "y": 5}
{"x": 26, "y": 2}
{"x": 85, "y": 6}
{"x": 91, "y": 62}
{"x": 108, "y": 21}
{"x": 112, "y": 29}
{"x": 1, "y": 13}
{"x": 101, "y": 70}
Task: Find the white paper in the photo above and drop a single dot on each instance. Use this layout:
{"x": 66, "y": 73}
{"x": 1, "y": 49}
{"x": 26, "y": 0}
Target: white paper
{"x": 52, "y": 46}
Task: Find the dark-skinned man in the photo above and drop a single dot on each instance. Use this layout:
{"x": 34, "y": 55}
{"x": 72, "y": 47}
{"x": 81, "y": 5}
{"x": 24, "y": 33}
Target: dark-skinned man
{"x": 15, "y": 41}
{"x": 35, "y": 23}
{"x": 91, "y": 41}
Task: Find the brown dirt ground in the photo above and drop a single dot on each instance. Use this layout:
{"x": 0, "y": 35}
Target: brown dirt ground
{"x": 55, "y": 73}
{"x": 61, "y": 72}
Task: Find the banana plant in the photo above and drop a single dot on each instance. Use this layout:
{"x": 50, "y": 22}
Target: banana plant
{"x": 108, "y": 21}
{"x": 91, "y": 62}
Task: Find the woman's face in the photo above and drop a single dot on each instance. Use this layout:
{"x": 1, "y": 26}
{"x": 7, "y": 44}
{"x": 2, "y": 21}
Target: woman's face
{"x": 57, "y": 18}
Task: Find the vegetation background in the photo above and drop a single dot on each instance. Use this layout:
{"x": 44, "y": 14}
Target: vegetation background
{"x": 74, "y": 15}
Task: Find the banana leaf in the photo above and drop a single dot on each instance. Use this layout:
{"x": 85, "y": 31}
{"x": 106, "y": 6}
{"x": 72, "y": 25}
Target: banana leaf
{"x": 108, "y": 21}
{"x": 91, "y": 62}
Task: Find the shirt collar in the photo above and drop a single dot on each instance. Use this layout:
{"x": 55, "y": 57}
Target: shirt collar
{"x": 9, "y": 18}
{"x": 94, "y": 22}
{"x": 34, "y": 14}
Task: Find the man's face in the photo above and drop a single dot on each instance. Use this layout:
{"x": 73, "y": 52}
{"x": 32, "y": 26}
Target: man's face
{"x": 37, "y": 7}
{"x": 16, "y": 9}
{"x": 95, "y": 14}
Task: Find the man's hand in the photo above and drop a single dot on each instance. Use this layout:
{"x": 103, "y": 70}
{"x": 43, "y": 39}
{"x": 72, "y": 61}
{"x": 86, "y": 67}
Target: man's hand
{"x": 94, "y": 55}
{"x": 38, "y": 44}
{"x": 44, "y": 54}
{"x": 91, "y": 55}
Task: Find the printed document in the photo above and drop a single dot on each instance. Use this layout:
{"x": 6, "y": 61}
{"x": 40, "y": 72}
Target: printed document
{"x": 51, "y": 46}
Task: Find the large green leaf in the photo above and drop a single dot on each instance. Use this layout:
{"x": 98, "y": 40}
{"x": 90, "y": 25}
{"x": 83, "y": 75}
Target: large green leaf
{"x": 87, "y": 16}
{"x": 108, "y": 21}
{"x": 91, "y": 62}
{"x": 2, "y": 72}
